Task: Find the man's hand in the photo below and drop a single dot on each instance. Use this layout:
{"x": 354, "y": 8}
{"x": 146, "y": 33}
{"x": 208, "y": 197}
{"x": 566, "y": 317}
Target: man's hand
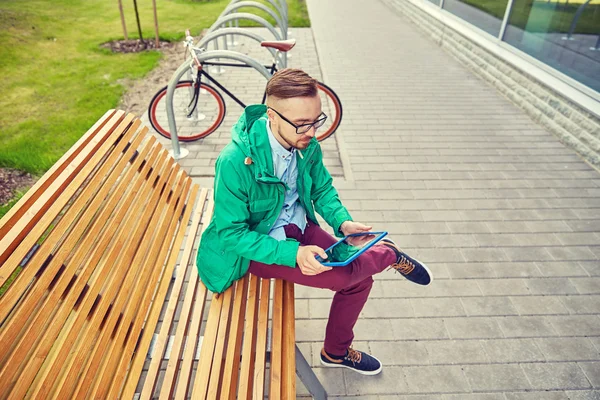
{"x": 305, "y": 258}
{"x": 349, "y": 227}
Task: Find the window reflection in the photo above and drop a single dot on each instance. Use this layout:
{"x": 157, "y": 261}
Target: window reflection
{"x": 562, "y": 34}
{"x": 484, "y": 14}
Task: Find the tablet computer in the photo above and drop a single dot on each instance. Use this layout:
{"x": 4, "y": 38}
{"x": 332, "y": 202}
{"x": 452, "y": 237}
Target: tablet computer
{"x": 349, "y": 248}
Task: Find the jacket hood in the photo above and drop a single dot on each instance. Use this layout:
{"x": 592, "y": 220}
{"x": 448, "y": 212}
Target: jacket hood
{"x": 250, "y": 135}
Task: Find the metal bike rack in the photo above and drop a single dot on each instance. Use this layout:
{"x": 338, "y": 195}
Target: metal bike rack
{"x": 237, "y": 16}
{"x": 177, "y": 152}
{"x": 279, "y": 5}
{"x": 277, "y": 56}
{"x": 575, "y": 20}
{"x": 597, "y": 46}
{"x": 282, "y": 23}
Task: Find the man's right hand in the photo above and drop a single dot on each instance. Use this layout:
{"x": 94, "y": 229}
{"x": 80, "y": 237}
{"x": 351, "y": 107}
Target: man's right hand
{"x": 307, "y": 262}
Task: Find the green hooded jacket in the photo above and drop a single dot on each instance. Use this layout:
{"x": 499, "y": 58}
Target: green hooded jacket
{"x": 248, "y": 199}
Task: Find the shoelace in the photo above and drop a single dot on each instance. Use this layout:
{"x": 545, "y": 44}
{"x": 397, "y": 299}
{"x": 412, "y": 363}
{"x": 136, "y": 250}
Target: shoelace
{"x": 404, "y": 266}
{"x": 354, "y": 356}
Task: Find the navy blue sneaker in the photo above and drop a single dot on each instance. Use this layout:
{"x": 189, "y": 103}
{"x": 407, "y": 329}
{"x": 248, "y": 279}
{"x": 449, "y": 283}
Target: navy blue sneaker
{"x": 355, "y": 360}
{"x": 411, "y": 268}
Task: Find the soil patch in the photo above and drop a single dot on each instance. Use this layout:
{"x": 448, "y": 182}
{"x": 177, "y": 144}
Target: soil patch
{"x": 12, "y": 180}
{"x": 132, "y": 45}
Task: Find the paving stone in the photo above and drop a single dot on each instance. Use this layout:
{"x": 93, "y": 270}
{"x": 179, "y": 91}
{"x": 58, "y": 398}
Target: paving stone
{"x": 419, "y": 329}
{"x": 552, "y": 376}
{"x": 440, "y": 307}
{"x": 546, "y": 395}
{"x": 473, "y": 328}
{"x": 496, "y": 377}
{"x": 488, "y": 306}
{"x": 435, "y": 379}
{"x": 512, "y": 350}
{"x": 576, "y": 325}
{"x": 519, "y": 327}
{"x": 503, "y": 287}
{"x": 474, "y": 396}
{"x": 588, "y": 304}
{"x": 470, "y": 270}
{"x": 516, "y": 270}
{"x": 592, "y": 371}
{"x": 538, "y": 305}
{"x": 400, "y": 353}
{"x": 456, "y": 352}
{"x": 586, "y": 285}
{"x": 562, "y": 268}
{"x": 583, "y": 394}
{"x": 567, "y": 349}
{"x": 390, "y": 380}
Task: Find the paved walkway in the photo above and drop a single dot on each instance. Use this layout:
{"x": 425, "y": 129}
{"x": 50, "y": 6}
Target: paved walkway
{"x": 505, "y": 215}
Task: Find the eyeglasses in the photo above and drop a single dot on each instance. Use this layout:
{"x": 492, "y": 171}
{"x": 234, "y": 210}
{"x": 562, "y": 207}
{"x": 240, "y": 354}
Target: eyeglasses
{"x": 300, "y": 129}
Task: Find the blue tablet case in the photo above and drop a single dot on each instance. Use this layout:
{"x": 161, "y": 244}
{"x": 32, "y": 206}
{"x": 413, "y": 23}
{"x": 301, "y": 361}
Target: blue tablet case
{"x": 380, "y": 235}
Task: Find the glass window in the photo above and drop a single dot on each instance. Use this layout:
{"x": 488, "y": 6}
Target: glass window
{"x": 484, "y": 14}
{"x": 564, "y": 35}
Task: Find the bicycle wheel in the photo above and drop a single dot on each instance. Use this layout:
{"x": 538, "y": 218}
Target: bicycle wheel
{"x": 332, "y": 106}
{"x": 208, "y": 111}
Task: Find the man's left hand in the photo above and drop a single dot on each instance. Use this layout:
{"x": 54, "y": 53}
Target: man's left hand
{"x": 349, "y": 227}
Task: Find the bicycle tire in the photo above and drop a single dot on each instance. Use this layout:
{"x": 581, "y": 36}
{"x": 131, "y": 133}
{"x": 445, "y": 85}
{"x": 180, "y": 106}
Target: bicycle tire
{"x": 337, "y": 118}
{"x": 162, "y": 128}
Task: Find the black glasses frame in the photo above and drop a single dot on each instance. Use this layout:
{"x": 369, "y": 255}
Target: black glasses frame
{"x": 306, "y": 127}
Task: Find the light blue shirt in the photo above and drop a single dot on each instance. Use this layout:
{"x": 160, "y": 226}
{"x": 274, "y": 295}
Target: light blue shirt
{"x": 286, "y": 170}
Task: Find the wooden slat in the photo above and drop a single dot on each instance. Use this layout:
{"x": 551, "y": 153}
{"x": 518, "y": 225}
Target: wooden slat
{"x": 183, "y": 378}
{"x": 38, "y": 289}
{"x": 288, "y": 390}
{"x": 168, "y": 318}
{"x": 121, "y": 350}
{"x": 16, "y": 289}
{"x": 182, "y": 327}
{"x": 193, "y": 333}
{"x": 27, "y": 231}
{"x": 261, "y": 341}
{"x": 99, "y": 265}
{"x": 249, "y": 345}
{"x": 108, "y": 276}
{"x": 146, "y": 338}
{"x": 234, "y": 345}
{"x": 20, "y": 209}
{"x": 208, "y": 348}
{"x": 8, "y": 338}
{"x": 125, "y": 305}
{"x": 214, "y": 384}
{"x": 276, "y": 341}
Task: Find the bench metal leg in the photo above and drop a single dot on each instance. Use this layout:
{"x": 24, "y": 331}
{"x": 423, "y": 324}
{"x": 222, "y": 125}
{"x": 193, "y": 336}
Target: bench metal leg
{"x": 308, "y": 377}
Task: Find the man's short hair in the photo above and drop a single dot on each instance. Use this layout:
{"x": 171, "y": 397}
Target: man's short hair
{"x": 291, "y": 82}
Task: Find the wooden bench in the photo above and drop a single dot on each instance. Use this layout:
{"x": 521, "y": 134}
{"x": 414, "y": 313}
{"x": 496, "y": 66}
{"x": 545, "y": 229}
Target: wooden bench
{"x": 100, "y": 288}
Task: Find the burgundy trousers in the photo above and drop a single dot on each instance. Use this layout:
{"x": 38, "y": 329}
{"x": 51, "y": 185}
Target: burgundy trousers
{"x": 351, "y": 284}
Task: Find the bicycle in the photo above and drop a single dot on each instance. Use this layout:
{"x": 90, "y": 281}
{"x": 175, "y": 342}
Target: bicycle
{"x": 199, "y": 108}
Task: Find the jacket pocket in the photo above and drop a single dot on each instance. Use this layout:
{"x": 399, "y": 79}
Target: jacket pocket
{"x": 261, "y": 205}
{"x": 216, "y": 266}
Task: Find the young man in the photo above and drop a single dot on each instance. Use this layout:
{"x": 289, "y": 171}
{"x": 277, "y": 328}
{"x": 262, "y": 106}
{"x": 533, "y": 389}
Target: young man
{"x": 269, "y": 182}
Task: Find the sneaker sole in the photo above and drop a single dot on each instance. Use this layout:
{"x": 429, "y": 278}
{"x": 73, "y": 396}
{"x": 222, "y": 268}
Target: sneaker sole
{"x": 370, "y": 373}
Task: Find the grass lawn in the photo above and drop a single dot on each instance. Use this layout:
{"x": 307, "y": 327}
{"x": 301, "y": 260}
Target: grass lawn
{"x": 539, "y": 12}
{"x": 56, "y": 81}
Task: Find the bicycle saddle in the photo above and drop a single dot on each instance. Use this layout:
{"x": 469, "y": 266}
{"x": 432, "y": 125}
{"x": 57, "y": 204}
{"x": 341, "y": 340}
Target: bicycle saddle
{"x": 281, "y": 45}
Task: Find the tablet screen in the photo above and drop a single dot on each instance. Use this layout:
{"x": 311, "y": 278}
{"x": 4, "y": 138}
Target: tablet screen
{"x": 345, "y": 249}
